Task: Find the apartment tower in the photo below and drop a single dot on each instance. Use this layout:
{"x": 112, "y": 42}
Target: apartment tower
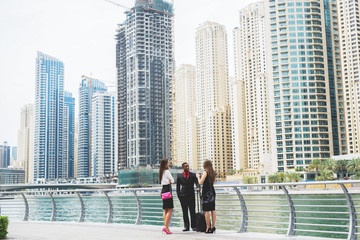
{"x": 145, "y": 64}
{"x": 349, "y": 30}
{"x": 305, "y": 78}
{"x": 212, "y": 97}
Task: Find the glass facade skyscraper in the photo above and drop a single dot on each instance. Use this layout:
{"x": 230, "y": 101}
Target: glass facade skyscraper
{"x": 68, "y": 135}
{"x": 49, "y": 104}
{"x": 4, "y": 155}
{"x": 307, "y": 111}
{"x": 145, "y": 64}
{"x": 103, "y": 142}
{"x": 88, "y": 87}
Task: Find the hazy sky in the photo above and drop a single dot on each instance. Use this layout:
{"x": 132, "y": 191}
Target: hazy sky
{"x": 81, "y": 34}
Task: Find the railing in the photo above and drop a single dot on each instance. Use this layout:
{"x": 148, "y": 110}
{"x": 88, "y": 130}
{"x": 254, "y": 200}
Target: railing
{"x": 302, "y": 209}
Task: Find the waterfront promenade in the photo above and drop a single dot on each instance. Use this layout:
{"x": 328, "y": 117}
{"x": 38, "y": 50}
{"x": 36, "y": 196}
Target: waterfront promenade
{"x": 95, "y": 231}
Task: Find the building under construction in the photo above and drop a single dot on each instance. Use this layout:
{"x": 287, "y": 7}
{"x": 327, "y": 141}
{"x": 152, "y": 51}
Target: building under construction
{"x": 145, "y": 67}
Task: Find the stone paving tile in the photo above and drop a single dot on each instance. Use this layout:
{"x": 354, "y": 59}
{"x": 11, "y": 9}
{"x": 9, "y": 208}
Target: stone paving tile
{"x": 101, "y": 231}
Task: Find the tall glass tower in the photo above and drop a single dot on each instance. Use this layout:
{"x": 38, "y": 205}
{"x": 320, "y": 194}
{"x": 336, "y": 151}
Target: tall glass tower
{"x": 49, "y": 104}
{"x": 68, "y": 135}
{"x": 305, "y": 72}
{"x": 103, "y": 135}
{"x": 88, "y": 87}
{"x": 145, "y": 63}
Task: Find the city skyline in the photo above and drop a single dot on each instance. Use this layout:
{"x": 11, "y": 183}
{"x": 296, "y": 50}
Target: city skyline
{"x": 94, "y": 56}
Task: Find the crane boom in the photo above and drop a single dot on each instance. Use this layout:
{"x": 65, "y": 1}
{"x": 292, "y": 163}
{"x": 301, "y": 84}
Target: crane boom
{"x": 117, "y": 4}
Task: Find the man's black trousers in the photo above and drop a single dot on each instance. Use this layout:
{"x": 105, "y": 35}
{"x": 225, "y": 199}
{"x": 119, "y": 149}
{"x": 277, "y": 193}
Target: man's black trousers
{"x": 188, "y": 204}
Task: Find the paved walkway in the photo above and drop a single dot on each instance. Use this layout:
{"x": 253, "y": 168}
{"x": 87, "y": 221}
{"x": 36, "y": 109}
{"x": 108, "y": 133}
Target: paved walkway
{"x": 95, "y": 231}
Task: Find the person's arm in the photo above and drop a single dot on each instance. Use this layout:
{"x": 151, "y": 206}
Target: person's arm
{"x": 178, "y": 185}
{"x": 197, "y": 184}
{"x": 201, "y": 181}
{"x": 168, "y": 174}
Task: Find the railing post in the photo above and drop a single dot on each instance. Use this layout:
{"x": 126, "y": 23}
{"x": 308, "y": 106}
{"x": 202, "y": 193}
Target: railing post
{"x": 26, "y": 214}
{"x": 53, "y": 215}
{"x": 139, "y": 216}
{"x": 292, "y": 215}
{"x": 244, "y": 213}
{"x": 111, "y": 209}
{"x": 352, "y": 213}
{"x": 82, "y": 210}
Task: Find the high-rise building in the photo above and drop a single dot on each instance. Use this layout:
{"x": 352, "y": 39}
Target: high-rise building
{"x": 68, "y": 135}
{"x": 307, "y": 111}
{"x": 88, "y": 87}
{"x": 212, "y": 97}
{"x": 350, "y": 52}
{"x": 184, "y": 123}
{"x": 26, "y": 141}
{"x": 49, "y": 104}
{"x": 145, "y": 64}
{"x": 14, "y": 151}
{"x": 76, "y": 148}
{"x": 4, "y": 155}
{"x": 103, "y": 142}
{"x": 250, "y": 112}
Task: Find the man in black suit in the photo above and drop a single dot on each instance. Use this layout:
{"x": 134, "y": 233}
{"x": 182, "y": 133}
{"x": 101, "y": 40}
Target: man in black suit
{"x": 185, "y": 191}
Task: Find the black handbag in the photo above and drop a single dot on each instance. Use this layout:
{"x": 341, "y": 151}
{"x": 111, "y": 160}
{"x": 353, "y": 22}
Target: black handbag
{"x": 209, "y": 197}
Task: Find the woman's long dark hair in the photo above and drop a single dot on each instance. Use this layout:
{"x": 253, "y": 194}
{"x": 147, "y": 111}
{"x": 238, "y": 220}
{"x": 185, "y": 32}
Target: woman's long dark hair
{"x": 163, "y": 167}
{"x": 210, "y": 170}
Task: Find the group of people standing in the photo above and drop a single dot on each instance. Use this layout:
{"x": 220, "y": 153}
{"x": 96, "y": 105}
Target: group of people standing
{"x": 186, "y": 194}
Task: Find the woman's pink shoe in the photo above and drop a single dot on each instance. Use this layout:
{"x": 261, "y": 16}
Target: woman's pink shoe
{"x": 164, "y": 231}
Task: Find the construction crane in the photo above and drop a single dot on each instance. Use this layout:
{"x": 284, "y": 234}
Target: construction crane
{"x": 117, "y": 4}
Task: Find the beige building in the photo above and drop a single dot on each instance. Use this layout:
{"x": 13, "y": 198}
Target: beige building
{"x": 349, "y": 15}
{"x": 26, "y": 141}
{"x": 185, "y": 138}
{"x": 251, "y": 129}
{"x": 212, "y": 97}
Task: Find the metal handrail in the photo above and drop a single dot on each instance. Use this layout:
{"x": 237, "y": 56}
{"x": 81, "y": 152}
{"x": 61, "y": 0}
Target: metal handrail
{"x": 280, "y": 200}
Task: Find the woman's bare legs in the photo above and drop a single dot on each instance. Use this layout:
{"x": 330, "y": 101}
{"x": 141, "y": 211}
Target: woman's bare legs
{"x": 213, "y": 218}
{"x": 167, "y": 218}
{"x": 164, "y": 216}
{"x": 207, "y": 218}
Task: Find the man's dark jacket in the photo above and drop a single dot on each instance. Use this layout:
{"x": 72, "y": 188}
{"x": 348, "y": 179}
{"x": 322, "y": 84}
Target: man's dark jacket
{"x": 185, "y": 187}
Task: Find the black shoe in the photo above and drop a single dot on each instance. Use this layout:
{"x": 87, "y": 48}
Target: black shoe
{"x": 213, "y": 229}
{"x": 194, "y": 229}
{"x": 209, "y": 230}
{"x": 186, "y": 229}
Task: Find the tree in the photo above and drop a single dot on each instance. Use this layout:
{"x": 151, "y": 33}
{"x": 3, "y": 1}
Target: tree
{"x": 282, "y": 177}
{"x": 274, "y": 178}
{"x": 354, "y": 166}
{"x": 341, "y": 166}
{"x": 248, "y": 180}
{"x": 315, "y": 165}
{"x": 293, "y": 177}
{"x": 328, "y": 164}
{"x": 325, "y": 175}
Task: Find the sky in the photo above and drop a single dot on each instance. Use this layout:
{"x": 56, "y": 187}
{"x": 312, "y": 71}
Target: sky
{"x": 81, "y": 34}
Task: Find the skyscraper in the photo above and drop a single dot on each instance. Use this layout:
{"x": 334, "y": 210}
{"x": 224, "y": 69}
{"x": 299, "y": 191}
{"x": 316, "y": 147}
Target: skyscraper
{"x": 4, "y": 155}
{"x": 68, "y": 135}
{"x": 14, "y": 151}
{"x": 88, "y": 87}
{"x": 251, "y": 115}
{"x": 49, "y": 104}
{"x": 350, "y": 52}
{"x": 26, "y": 141}
{"x": 145, "y": 64}
{"x": 212, "y": 97}
{"x": 307, "y": 112}
{"x": 103, "y": 142}
{"x": 185, "y": 134}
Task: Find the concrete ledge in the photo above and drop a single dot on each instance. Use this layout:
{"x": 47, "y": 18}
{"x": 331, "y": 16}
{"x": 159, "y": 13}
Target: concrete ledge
{"x": 96, "y": 231}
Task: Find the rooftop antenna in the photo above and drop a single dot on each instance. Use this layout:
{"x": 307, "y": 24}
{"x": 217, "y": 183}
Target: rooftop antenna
{"x": 117, "y": 4}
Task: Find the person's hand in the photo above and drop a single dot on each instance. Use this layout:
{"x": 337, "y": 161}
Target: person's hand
{"x": 198, "y": 189}
{"x": 197, "y": 175}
